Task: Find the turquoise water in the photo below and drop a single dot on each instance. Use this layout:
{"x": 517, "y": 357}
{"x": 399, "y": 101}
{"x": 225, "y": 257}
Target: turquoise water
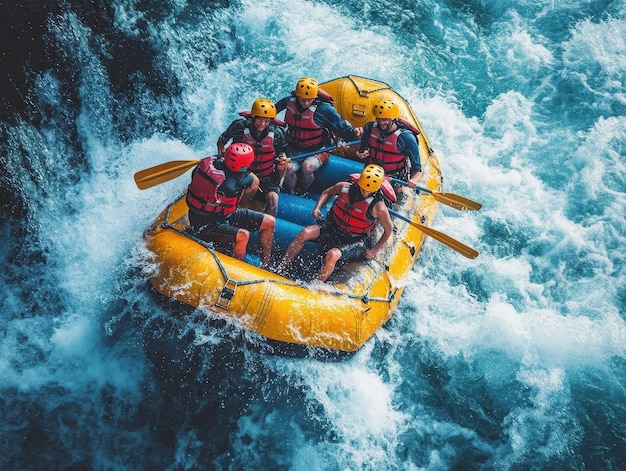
{"x": 513, "y": 361}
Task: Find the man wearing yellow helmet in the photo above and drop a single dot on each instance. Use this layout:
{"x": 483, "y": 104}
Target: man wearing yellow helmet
{"x": 260, "y": 129}
{"x": 312, "y": 123}
{"x": 391, "y": 142}
{"x": 347, "y": 234}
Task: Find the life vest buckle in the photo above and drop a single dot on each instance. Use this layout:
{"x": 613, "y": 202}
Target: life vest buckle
{"x": 228, "y": 291}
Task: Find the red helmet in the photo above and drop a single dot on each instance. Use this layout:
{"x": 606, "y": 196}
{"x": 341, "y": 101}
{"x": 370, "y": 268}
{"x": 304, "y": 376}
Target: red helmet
{"x": 237, "y": 156}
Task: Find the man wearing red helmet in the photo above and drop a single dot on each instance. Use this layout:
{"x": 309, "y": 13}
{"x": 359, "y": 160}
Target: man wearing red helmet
{"x": 218, "y": 187}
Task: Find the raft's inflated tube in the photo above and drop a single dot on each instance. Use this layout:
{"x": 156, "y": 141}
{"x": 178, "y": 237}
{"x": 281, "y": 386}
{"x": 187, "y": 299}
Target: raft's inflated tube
{"x": 295, "y": 209}
{"x": 285, "y": 232}
{"x": 327, "y": 175}
{"x": 341, "y": 314}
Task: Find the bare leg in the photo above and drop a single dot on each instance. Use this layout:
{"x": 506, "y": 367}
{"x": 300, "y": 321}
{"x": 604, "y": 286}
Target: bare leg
{"x": 249, "y": 192}
{"x": 289, "y": 181}
{"x": 296, "y": 246}
{"x": 308, "y": 169}
{"x": 241, "y": 243}
{"x": 266, "y": 237}
{"x": 271, "y": 203}
{"x": 331, "y": 259}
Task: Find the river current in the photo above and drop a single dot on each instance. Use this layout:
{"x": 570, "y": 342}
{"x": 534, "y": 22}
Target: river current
{"x": 513, "y": 361}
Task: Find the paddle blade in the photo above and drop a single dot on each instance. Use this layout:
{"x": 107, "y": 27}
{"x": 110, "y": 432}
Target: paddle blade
{"x": 450, "y": 199}
{"x": 457, "y": 201}
{"x": 445, "y": 239}
{"x": 162, "y": 173}
{"x": 454, "y": 244}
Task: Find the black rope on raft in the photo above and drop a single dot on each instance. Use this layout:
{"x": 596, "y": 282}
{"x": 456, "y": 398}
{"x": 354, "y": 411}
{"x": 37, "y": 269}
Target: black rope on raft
{"x": 214, "y": 253}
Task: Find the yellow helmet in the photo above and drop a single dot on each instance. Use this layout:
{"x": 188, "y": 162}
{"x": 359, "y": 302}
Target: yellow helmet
{"x": 371, "y": 178}
{"x": 264, "y": 108}
{"x": 307, "y": 88}
{"x": 386, "y": 109}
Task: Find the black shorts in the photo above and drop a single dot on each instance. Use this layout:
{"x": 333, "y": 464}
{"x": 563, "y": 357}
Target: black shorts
{"x": 267, "y": 185}
{"x": 212, "y": 229}
{"x": 352, "y": 247}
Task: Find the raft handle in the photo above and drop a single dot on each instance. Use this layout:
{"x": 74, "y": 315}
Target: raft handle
{"x": 359, "y": 110}
{"x": 228, "y": 291}
{"x": 412, "y": 249}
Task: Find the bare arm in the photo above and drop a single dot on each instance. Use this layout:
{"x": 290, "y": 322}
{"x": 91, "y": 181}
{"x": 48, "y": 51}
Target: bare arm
{"x": 234, "y": 132}
{"x": 326, "y": 195}
{"x": 380, "y": 211}
{"x": 251, "y": 190}
{"x": 409, "y": 146}
{"x": 364, "y": 150}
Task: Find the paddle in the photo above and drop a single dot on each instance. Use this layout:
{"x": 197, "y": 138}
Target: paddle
{"x": 319, "y": 151}
{"x": 153, "y": 176}
{"x": 440, "y": 236}
{"x": 450, "y": 199}
{"x": 162, "y": 173}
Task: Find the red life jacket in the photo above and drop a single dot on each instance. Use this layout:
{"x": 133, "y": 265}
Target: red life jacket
{"x": 264, "y": 152}
{"x": 203, "y": 192}
{"x": 384, "y": 151}
{"x": 354, "y": 218}
{"x": 303, "y": 132}
{"x": 386, "y": 187}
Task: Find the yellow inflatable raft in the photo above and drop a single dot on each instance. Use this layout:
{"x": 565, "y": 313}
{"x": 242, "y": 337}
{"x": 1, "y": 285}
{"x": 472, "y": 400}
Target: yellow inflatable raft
{"x": 341, "y": 314}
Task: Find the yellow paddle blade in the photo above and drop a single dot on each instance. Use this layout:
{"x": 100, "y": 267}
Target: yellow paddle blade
{"x": 162, "y": 173}
{"x": 450, "y": 199}
{"x": 445, "y": 239}
{"x": 454, "y": 244}
{"x": 457, "y": 201}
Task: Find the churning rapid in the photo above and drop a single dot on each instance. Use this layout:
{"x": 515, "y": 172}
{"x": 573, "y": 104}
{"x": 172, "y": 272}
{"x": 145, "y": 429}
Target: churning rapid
{"x": 516, "y": 360}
